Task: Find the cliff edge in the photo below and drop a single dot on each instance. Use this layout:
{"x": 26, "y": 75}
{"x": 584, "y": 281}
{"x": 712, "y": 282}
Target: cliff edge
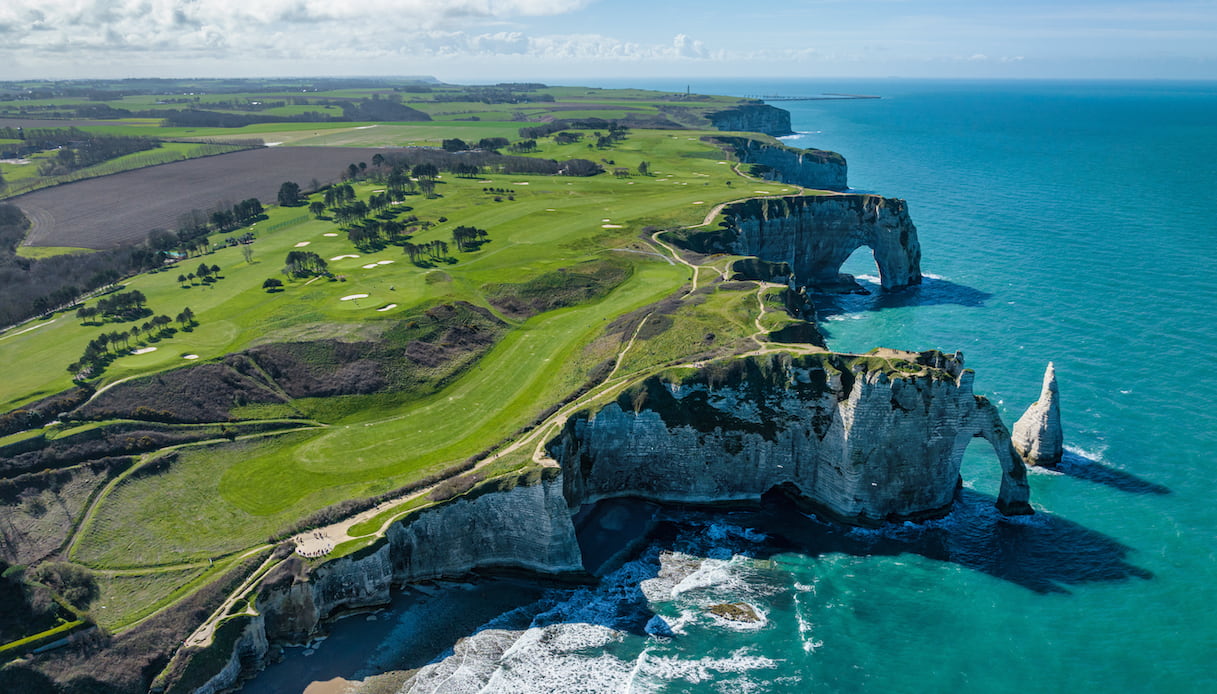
{"x": 809, "y": 168}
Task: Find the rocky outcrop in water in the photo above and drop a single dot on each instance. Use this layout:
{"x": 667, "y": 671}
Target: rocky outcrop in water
{"x": 755, "y": 118}
{"x": 1037, "y": 434}
{"x": 864, "y": 439}
{"x": 810, "y": 168}
{"x": 815, "y": 234}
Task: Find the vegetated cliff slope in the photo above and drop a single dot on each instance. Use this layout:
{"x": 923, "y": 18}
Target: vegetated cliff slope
{"x": 810, "y": 168}
{"x": 865, "y": 439}
{"x": 815, "y": 234}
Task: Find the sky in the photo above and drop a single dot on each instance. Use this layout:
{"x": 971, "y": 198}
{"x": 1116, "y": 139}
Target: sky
{"x": 549, "y": 40}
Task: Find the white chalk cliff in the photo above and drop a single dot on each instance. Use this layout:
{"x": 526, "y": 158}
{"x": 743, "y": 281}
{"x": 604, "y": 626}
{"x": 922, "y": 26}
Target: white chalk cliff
{"x": 1037, "y": 434}
{"x": 816, "y": 234}
{"x": 861, "y": 439}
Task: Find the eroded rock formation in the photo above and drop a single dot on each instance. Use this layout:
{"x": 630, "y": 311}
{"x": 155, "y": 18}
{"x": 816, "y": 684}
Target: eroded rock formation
{"x": 853, "y": 436}
{"x": 1037, "y": 434}
{"x": 815, "y": 234}
{"x": 810, "y": 168}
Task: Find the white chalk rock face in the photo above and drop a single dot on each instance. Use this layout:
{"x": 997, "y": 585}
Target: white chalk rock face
{"x": 855, "y": 437}
{"x": 1037, "y": 434}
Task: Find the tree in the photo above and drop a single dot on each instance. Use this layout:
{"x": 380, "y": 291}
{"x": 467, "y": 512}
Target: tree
{"x": 454, "y": 145}
{"x": 272, "y": 285}
{"x": 247, "y": 252}
{"x": 289, "y": 194}
{"x": 425, "y": 171}
{"x": 316, "y": 208}
{"x": 181, "y": 279}
{"x": 644, "y": 168}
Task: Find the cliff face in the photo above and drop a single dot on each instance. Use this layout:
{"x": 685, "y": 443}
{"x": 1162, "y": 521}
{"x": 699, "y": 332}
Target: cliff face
{"x": 810, "y": 168}
{"x": 816, "y": 234}
{"x": 526, "y": 527}
{"x": 755, "y": 118}
{"x": 248, "y": 654}
{"x": 1037, "y": 434}
{"x": 854, "y": 439}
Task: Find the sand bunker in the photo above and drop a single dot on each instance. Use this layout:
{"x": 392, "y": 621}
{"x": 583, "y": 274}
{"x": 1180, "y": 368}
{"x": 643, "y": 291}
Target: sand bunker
{"x": 765, "y": 192}
{"x": 369, "y": 266}
{"x": 520, "y": 183}
{"x": 550, "y": 209}
{"x": 143, "y": 350}
{"x": 390, "y": 307}
{"x": 190, "y": 356}
{"x": 343, "y": 257}
{"x": 699, "y": 202}
{"x": 330, "y": 234}
{"x": 302, "y": 244}
{"x": 606, "y": 219}
{"x": 384, "y": 262}
{"x": 612, "y": 226}
{"x": 351, "y": 297}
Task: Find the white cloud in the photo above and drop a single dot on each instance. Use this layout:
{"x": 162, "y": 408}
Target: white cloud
{"x": 247, "y": 25}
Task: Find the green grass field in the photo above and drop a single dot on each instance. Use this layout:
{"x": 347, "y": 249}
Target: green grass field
{"x": 153, "y": 533}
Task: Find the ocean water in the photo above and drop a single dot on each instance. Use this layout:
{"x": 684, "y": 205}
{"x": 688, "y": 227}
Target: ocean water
{"x": 1065, "y": 222}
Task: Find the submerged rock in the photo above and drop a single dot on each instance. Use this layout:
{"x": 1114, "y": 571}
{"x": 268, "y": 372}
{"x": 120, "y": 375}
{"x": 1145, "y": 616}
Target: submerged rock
{"x": 1037, "y": 434}
{"x": 735, "y": 611}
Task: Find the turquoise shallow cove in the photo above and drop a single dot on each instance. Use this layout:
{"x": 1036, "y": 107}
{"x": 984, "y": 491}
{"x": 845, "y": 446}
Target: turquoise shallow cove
{"x": 1071, "y": 222}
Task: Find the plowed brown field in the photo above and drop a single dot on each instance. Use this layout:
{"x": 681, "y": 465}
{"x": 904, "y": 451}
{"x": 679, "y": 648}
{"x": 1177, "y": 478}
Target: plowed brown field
{"x": 122, "y": 208}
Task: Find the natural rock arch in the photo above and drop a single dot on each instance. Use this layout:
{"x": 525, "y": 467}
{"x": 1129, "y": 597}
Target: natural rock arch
{"x": 816, "y": 234}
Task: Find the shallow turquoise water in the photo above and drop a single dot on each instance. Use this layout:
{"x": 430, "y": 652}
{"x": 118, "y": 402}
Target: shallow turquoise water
{"x": 1066, "y": 222}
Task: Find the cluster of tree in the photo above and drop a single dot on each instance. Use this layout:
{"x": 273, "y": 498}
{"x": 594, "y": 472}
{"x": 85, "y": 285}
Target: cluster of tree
{"x": 374, "y": 109}
{"x": 194, "y": 226}
{"x": 560, "y": 124}
{"x": 123, "y": 306}
{"x": 487, "y": 143}
{"x": 305, "y": 264}
{"x": 207, "y": 274}
{"x": 38, "y": 287}
{"x": 469, "y": 238}
{"x": 523, "y": 146}
{"x": 289, "y": 194}
{"x": 434, "y": 250}
{"x": 104, "y": 348}
{"x": 409, "y": 158}
{"x": 499, "y": 94}
{"x": 377, "y": 109}
{"x": 76, "y": 148}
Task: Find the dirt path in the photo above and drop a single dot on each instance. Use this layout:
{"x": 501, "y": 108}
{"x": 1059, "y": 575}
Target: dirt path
{"x": 202, "y": 636}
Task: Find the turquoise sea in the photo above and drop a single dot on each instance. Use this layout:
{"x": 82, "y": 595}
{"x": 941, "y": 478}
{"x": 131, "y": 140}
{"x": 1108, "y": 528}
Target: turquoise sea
{"x": 1059, "y": 221}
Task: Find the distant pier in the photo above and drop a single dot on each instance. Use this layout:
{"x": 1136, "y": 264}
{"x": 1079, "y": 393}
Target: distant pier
{"x": 821, "y": 97}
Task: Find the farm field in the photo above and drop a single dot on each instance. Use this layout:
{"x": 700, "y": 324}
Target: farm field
{"x": 101, "y": 212}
